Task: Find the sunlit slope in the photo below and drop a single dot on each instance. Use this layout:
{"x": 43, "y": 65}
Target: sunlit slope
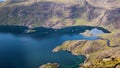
{"x": 61, "y": 13}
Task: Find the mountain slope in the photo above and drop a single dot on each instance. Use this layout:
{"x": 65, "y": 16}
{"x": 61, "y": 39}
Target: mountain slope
{"x": 61, "y": 13}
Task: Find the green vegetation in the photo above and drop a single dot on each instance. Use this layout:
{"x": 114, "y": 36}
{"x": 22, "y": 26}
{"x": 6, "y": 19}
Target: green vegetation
{"x": 103, "y": 64}
{"x": 80, "y": 22}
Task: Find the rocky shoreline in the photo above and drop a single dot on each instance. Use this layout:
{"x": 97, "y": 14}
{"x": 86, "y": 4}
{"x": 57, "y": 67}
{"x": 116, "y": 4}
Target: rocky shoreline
{"x": 99, "y": 54}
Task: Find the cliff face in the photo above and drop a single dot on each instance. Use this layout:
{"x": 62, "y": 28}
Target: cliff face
{"x": 57, "y": 14}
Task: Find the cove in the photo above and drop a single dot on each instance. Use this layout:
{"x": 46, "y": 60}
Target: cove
{"x": 32, "y": 49}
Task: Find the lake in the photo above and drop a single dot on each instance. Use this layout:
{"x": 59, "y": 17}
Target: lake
{"x": 25, "y": 51}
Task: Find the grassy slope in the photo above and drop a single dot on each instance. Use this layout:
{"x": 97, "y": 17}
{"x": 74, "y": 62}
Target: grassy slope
{"x": 13, "y": 19}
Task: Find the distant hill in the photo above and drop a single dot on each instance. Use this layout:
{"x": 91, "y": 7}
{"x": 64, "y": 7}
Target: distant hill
{"x": 61, "y": 13}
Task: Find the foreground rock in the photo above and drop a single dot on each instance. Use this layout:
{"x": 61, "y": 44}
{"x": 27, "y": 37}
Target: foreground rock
{"x": 99, "y": 53}
{"x": 50, "y": 65}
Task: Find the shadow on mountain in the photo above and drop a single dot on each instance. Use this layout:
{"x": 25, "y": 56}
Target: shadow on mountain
{"x": 17, "y": 30}
{"x": 42, "y": 31}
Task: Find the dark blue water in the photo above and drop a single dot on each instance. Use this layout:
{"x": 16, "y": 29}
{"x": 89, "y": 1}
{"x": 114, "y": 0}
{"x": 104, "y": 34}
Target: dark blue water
{"x": 27, "y": 52}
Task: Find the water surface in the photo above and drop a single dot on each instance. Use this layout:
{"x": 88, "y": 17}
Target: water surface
{"x": 27, "y": 52}
{"x": 21, "y": 49}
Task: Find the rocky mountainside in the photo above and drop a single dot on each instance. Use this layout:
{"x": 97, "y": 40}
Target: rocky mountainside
{"x": 61, "y": 13}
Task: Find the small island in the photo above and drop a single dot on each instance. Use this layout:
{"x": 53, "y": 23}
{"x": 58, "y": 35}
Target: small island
{"x": 50, "y": 65}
